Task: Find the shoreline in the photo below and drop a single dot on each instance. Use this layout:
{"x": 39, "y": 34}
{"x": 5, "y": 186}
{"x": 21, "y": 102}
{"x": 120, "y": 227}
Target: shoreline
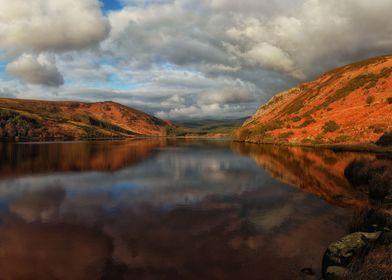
{"x": 368, "y": 148}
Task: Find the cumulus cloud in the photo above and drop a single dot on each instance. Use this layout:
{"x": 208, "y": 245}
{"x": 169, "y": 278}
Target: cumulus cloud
{"x": 267, "y": 55}
{"x": 194, "y": 58}
{"x": 201, "y": 111}
{"x": 30, "y": 28}
{"x": 321, "y": 35}
{"x": 35, "y": 69}
{"x": 55, "y": 25}
{"x": 227, "y": 37}
{"x": 224, "y": 96}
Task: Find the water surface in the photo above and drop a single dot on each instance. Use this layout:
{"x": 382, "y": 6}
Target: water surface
{"x": 169, "y": 209}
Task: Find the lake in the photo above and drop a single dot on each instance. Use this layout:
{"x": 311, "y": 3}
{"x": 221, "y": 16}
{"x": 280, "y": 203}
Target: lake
{"x": 170, "y": 209}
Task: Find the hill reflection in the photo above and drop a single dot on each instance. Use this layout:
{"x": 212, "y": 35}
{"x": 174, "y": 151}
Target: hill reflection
{"x": 172, "y": 209}
{"x": 320, "y": 172}
{"x": 21, "y": 159}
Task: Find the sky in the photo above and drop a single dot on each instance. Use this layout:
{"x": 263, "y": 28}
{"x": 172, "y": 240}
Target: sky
{"x": 182, "y": 59}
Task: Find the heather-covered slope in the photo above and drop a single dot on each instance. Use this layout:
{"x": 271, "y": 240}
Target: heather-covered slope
{"x": 48, "y": 119}
{"x": 348, "y": 105}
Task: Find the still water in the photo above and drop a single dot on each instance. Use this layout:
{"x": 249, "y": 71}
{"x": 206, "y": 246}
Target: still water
{"x": 169, "y": 209}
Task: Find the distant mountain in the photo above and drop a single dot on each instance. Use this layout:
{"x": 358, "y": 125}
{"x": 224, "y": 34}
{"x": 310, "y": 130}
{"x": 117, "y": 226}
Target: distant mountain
{"x": 348, "y": 105}
{"x": 210, "y": 125}
{"x": 66, "y": 119}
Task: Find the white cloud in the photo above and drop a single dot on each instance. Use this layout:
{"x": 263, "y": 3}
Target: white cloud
{"x": 213, "y": 111}
{"x": 29, "y": 28}
{"x": 35, "y": 69}
{"x": 55, "y": 25}
{"x": 267, "y": 55}
{"x": 192, "y": 57}
{"x": 230, "y": 95}
{"x": 145, "y": 2}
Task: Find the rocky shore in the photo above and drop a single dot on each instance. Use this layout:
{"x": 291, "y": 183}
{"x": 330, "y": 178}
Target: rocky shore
{"x": 365, "y": 253}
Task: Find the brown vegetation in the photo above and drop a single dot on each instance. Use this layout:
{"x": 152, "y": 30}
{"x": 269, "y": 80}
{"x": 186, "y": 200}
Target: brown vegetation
{"x": 353, "y": 100}
{"x": 35, "y": 119}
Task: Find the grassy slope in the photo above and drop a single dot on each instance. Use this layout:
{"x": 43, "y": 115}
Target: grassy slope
{"x": 211, "y": 126}
{"x": 350, "y": 105}
{"x": 43, "y": 119}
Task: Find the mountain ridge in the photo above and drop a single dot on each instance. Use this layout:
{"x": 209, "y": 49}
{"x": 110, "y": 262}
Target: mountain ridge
{"x": 351, "y": 104}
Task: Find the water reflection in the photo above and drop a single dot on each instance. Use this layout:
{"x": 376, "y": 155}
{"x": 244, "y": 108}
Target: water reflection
{"x": 169, "y": 210}
{"x": 73, "y": 156}
{"x": 320, "y": 172}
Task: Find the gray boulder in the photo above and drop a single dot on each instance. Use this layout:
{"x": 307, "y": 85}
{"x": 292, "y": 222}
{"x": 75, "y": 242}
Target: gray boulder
{"x": 342, "y": 252}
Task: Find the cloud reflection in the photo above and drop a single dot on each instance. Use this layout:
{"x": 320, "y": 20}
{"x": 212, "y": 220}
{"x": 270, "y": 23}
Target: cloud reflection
{"x": 190, "y": 210}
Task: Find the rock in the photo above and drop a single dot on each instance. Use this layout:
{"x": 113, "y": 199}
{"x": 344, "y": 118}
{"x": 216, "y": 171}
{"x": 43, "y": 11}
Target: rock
{"x": 371, "y": 236}
{"x": 336, "y": 273}
{"x": 341, "y": 252}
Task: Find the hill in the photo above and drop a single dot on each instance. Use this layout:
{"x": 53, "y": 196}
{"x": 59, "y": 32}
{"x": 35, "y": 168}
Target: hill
{"x": 348, "y": 105}
{"x": 211, "y": 126}
{"x": 35, "y": 119}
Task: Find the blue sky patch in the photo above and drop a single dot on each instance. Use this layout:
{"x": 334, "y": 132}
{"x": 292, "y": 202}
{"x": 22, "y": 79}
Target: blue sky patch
{"x": 111, "y": 5}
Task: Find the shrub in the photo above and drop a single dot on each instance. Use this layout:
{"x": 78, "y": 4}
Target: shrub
{"x": 389, "y": 100}
{"x": 296, "y": 119}
{"x": 306, "y": 141}
{"x": 369, "y": 99}
{"x": 377, "y": 128}
{"x": 286, "y": 135}
{"x": 342, "y": 139}
{"x": 53, "y": 109}
{"x": 243, "y": 133}
{"x": 307, "y": 122}
{"x": 270, "y": 126}
{"x": 330, "y": 126}
{"x": 13, "y": 124}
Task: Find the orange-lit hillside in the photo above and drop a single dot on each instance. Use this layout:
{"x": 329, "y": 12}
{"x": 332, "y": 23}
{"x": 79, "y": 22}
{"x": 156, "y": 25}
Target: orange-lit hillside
{"x": 33, "y": 118}
{"x": 348, "y": 105}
